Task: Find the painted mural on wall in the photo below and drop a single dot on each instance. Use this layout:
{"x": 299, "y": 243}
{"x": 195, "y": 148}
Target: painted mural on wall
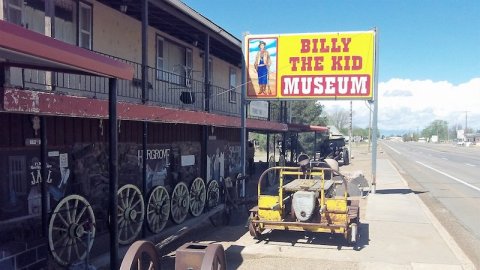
{"x": 223, "y": 160}
{"x": 22, "y": 181}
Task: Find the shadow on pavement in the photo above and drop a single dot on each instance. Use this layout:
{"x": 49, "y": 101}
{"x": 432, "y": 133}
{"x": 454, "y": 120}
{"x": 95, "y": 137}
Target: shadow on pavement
{"x": 311, "y": 239}
{"x": 398, "y": 191}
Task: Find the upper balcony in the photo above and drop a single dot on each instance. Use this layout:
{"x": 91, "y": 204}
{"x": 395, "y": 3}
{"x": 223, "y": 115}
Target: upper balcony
{"x": 179, "y": 39}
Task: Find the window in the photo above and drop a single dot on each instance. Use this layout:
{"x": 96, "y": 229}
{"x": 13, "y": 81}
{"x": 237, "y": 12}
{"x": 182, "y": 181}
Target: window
{"x": 66, "y": 21}
{"x": 85, "y": 26}
{"x": 17, "y": 172}
{"x": 15, "y": 12}
{"x": 232, "y": 94}
{"x": 159, "y": 60}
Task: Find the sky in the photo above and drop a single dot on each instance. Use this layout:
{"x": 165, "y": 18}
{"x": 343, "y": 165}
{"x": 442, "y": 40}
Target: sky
{"x": 429, "y": 51}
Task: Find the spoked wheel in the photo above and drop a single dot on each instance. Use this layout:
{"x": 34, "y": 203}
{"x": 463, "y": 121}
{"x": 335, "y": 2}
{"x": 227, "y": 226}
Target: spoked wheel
{"x": 214, "y": 258}
{"x": 213, "y": 194}
{"x": 180, "y": 203}
{"x": 68, "y": 233}
{"x": 130, "y": 211}
{"x": 158, "y": 209}
{"x": 253, "y": 228}
{"x": 271, "y": 174}
{"x": 141, "y": 255}
{"x": 197, "y": 197}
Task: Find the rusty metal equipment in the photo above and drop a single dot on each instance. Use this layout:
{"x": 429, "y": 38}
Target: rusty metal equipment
{"x": 305, "y": 199}
{"x": 143, "y": 255}
{"x": 200, "y": 257}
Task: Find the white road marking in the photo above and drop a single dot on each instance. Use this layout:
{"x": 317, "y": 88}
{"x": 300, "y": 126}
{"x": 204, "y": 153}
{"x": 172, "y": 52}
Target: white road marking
{"x": 444, "y": 158}
{"x": 449, "y": 176}
{"x": 395, "y": 150}
{"x": 471, "y": 165}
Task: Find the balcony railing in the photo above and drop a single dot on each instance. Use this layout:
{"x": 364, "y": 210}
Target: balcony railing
{"x": 164, "y": 88}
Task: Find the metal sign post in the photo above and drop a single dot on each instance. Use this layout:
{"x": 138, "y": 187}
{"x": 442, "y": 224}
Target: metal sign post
{"x": 243, "y": 129}
{"x": 375, "y": 118}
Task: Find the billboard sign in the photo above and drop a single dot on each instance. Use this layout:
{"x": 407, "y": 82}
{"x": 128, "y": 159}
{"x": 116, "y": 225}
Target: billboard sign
{"x": 310, "y": 66}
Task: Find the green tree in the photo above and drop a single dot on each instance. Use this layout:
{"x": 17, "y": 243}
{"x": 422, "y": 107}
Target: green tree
{"x": 437, "y": 127}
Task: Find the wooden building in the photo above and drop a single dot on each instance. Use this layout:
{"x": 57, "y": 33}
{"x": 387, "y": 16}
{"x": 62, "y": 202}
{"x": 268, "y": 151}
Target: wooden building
{"x": 180, "y": 113}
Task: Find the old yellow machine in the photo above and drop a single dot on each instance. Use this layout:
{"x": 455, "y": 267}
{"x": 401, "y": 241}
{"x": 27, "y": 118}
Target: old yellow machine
{"x": 305, "y": 199}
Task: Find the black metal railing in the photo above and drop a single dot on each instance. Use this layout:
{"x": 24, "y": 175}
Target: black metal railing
{"x": 167, "y": 89}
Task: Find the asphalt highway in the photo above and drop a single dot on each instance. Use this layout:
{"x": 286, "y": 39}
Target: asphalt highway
{"x": 447, "y": 176}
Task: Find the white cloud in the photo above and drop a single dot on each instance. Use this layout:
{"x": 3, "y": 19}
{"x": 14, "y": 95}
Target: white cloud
{"x": 409, "y": 105}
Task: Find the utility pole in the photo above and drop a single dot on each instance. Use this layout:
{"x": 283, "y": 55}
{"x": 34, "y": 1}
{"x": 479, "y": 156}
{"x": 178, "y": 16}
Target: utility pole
{"x": 466, "y": 121}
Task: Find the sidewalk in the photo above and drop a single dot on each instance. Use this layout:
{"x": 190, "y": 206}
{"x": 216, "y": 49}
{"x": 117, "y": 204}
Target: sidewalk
{"x": 397, "y": 232}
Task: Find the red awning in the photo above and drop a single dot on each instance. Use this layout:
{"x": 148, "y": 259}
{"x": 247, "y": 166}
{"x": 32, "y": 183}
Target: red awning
{"x": 306, "y": 128}
{"x": 25, "y": 48}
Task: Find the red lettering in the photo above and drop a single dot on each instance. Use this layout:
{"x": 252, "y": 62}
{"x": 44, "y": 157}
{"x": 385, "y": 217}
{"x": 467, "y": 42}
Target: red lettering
{"x": 324, "y": 48}
{"x": 336, "y": 64}
{"x": 335, "y": 47}
{"x": 346, "y": 42}
{"x": 305, "y": 45}
{"x": 318, "y": 63}
{"x": 357, "y": 62}
{"x": 293, "y": 62}
{"x": 306, "y": 63}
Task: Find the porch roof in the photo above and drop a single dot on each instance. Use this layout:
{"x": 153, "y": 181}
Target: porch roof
{"x": 24, "y": 48}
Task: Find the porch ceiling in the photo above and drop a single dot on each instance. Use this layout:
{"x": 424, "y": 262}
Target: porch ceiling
{"x": 25, "y": 48}
{"x": 169, "y": 19}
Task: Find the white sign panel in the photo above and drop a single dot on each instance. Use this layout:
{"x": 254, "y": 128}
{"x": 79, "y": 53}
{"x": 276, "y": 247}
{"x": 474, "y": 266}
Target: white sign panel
{"x": 188, "y": 160}
{"x": 258, "y": 109}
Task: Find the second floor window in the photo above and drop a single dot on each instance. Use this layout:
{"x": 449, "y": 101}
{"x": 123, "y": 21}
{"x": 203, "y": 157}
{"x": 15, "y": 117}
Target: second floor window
{"x": 85, "y": 26}
{"x": 159, "y": 61}
{"x": 15, "y": 11}
{"x": 232, "y": 94}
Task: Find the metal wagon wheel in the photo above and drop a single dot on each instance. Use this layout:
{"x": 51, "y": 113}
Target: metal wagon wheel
{"x": 214, "y": 258}
{"x": 271, "y": 174}
{"x": 158, "y": 209}
{"x": 141, "y": 255}
{"x": 130, "y": 211}
{"x": 213, "y": 194}
{"x": 70, "y": 223}
{"x": 180, "y": 203}
{"x": 198, "y": 196}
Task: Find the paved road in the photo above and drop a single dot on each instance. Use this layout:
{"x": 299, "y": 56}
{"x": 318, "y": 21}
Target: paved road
{"x": 451, "y": 176}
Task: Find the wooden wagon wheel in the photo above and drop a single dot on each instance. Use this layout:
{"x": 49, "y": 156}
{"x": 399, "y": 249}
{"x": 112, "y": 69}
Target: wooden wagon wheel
{"x": 130, "y": 211}
{"x": 271, "y": 174}
{"x": 213, "y": 194}
{"x": 214, "y": 258}
{"x": 158, "y": 209}
{"x": 141, "y": 255}
{"x": 68, "y": 233}
{"x": 179, "y": 203}
{"x": 198, "y": 196}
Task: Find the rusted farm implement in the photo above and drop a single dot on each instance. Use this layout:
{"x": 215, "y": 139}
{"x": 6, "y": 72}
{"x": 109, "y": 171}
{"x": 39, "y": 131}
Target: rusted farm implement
{"x": 73, "y": 224}
{"x": 143, "y": 255}
{"x": 305, "y": 200}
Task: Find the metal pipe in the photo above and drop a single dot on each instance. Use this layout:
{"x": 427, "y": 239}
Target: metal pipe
{"x": 113, "y": 170}
{"x": 43, "y": 173}
{"x": 144, "y": 51}
{"x": 243, "y": 129}
{"x": 144, "y": 169}
{"x": 206, "y": 57}
{"x": 375, "y": 118}
{"x": 144, "y": 100}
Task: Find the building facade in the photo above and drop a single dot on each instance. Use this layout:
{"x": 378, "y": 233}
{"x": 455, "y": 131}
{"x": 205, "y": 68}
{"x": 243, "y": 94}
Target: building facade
{"x": 181, "y": 112}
